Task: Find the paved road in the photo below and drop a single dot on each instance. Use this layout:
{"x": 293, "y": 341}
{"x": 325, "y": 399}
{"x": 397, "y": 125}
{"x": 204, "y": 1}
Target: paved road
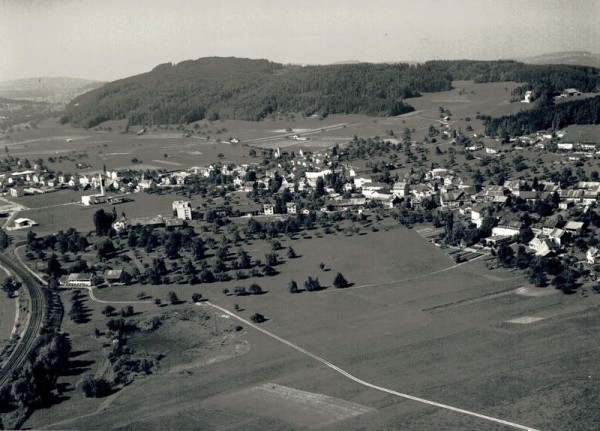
{"x": 36, "y": 317}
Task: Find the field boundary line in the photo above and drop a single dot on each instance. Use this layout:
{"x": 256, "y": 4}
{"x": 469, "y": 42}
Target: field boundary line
{"x": 403, "y": 280}
{"x": 365, "y": 383}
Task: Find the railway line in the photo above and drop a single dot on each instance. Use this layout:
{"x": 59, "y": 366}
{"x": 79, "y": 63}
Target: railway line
{"x": 38, "y": 318}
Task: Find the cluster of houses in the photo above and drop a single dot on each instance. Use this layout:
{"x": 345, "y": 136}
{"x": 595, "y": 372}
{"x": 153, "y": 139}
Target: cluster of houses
{"x": 551, "y": 233}
{"x": 38, "y": 182}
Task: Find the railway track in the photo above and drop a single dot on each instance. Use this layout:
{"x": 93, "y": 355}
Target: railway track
{"x": 37, "y": 319}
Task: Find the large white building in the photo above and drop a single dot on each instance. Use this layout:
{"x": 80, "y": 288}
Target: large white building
{"x": 183, "y": 210}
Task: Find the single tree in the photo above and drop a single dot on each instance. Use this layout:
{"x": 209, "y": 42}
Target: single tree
{"x": 54, "y": 267}
{"x": 127, "y": 311}
{"x": 108, "y": 310}
{"x": 255, "y": 289}
{"x": 293, "y": 287}
{"x": 339, "y": 281}
{"x": 173, "y": 299}
{"x": 257, "y": 318}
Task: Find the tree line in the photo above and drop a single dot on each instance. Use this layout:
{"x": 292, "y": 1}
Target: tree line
{"x": 545, "y": 116}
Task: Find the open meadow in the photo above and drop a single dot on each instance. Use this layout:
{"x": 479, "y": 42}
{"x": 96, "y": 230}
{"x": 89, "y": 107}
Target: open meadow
{"x": 412, "y": 321}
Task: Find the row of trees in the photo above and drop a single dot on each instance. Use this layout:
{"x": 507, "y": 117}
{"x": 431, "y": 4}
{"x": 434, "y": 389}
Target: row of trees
{"x": 314, "y": 285}
{"x": 33, "y": 385}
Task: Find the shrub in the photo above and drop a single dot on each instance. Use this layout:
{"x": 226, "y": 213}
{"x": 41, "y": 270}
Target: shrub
{"x": 257, "y": 318}
{"x": 255, "y": 289}
{"x": 95, "y": 388}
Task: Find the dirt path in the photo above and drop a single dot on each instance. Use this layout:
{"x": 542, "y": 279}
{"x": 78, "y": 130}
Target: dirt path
{"x": 403, "y": 280}
{"x": 101, "y": 301}
{"x": 367, "y": 384}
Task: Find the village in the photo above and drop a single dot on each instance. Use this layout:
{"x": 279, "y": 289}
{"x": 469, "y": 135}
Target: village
{"x": 455, "y": 207}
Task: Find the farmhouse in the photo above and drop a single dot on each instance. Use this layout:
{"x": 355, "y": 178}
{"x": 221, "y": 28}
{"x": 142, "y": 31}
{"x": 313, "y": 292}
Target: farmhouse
{"x": 570, "y": 92}
{"x": 574, "y": 227}
{"x": 249, "y": 210}
{"x": 147, "y": 221}
{"x": 452, "y": 200}
{"x": 113, "y": 276}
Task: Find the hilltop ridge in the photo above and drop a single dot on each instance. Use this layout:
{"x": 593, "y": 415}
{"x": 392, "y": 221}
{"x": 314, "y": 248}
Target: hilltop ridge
{"x": 246, "y": 89}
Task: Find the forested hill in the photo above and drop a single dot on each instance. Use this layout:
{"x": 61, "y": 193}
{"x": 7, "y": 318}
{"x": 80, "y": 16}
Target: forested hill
{"x": 545, "y": 117}
{"x": 252, "y": 89}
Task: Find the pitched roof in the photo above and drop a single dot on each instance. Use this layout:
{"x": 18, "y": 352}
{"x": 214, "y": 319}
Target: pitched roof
{"x": 113, "y": 274}
{"x": 573, "y": 225}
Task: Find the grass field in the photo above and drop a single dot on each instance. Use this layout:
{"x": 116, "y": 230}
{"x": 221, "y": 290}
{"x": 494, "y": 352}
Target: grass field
{"x": 412, "y": 321}
{"x": 443, "y": 336}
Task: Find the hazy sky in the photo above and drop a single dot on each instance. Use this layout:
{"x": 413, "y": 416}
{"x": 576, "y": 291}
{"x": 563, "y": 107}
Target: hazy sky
{"x": 110, "y": 39}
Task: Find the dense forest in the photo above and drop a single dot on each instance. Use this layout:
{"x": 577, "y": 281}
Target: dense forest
{"x": 546, "y": 116}
{"x": 252, "y": 89}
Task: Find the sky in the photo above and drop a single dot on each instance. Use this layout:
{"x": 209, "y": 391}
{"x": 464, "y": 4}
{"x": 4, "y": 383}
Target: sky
{"x": 111, "y": 39}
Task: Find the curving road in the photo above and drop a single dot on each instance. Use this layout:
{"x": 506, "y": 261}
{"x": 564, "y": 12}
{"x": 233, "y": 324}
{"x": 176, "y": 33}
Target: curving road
{"x": 36, "y": 317}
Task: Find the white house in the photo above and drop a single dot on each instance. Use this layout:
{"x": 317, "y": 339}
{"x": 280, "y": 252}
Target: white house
{"x": 400, "y": 189}
{"x": 477, "y": 215}
{"x": 565, "y": 146}
{"x": 269, "y": 209}
{"x": 290, "y": 208}
{"x": 592, "y": 255}
{"x": 182, "y": 209}
{"x": 540, "y": 246}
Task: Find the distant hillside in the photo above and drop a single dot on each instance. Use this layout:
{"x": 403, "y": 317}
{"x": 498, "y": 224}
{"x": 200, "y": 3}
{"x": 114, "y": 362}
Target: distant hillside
{"x": 253, "y": 89}
{"x": 580, "y": 58}
{"x": 57, "y": 91}
{"x": 555, "y": 117}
